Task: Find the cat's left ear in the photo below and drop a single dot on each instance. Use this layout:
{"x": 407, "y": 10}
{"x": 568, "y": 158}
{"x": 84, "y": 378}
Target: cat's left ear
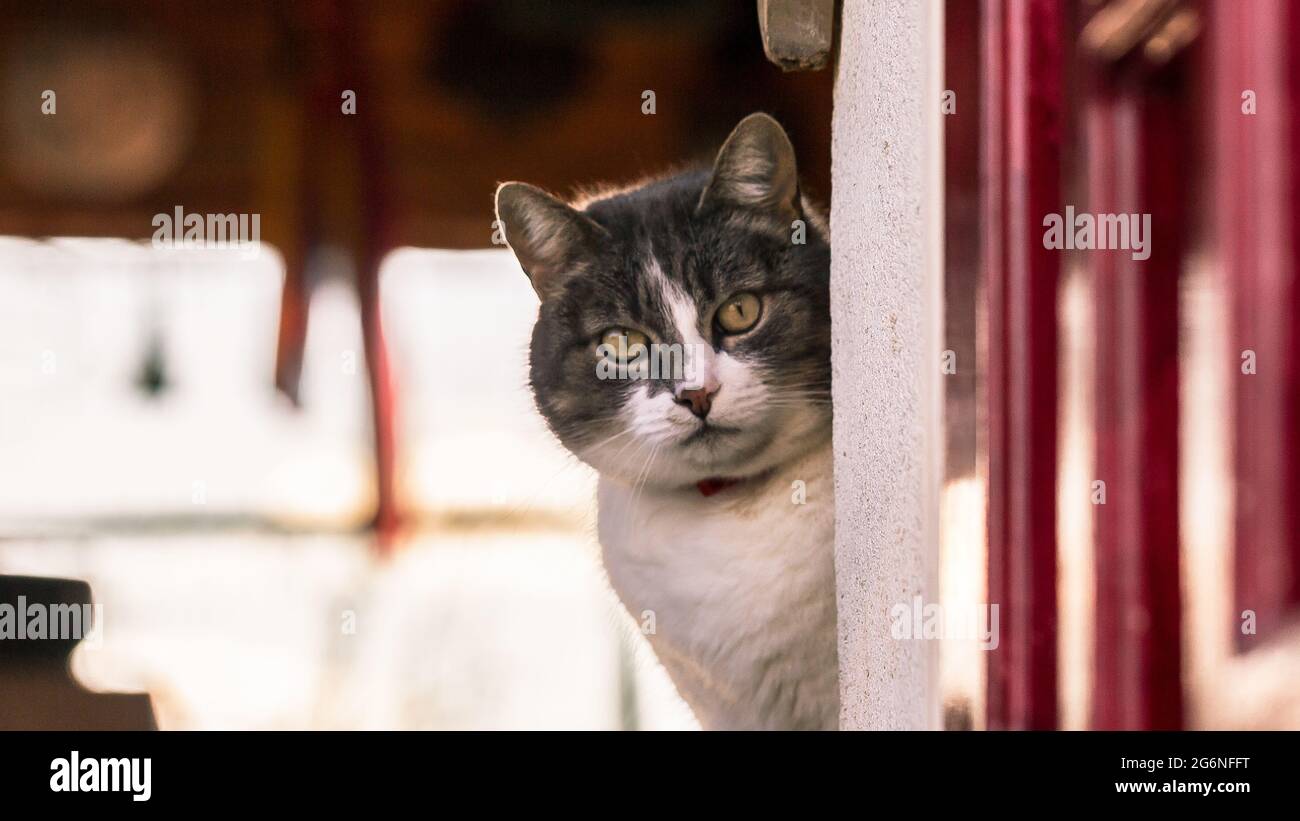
{"x": 550, "y": 239}
{"x": 755, "y": 170}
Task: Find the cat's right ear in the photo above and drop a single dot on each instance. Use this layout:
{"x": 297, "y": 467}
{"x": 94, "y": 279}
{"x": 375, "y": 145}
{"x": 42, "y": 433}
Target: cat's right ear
{"x": 550, "y": 239}
{"x": 755, "y": 170}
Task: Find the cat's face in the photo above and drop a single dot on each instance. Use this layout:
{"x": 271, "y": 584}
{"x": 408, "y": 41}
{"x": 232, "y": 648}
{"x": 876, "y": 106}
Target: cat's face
{"x": 684, "y": 331}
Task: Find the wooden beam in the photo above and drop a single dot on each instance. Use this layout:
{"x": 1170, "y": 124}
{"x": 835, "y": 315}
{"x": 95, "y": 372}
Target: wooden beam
{"x": 797, "y": 34}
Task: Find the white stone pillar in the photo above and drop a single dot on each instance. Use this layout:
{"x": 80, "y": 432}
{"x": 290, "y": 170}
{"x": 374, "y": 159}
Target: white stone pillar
{"x": 886, "y": 316}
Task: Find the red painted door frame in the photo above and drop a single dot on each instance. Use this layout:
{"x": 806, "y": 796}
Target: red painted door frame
{"x": 1022, "y": 146}
{"x": 1136, "y": 153}
{"x": 1253, "y": 49}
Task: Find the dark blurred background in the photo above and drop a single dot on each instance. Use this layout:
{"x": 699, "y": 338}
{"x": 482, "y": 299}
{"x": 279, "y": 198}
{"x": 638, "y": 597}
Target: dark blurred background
{"x": 237, "y": 106}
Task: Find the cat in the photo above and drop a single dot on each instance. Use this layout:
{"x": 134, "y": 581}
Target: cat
{"x": 715, "y": 502}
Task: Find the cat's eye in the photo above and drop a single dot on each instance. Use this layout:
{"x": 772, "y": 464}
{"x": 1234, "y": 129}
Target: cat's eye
{"x": 622, "y": 340}
{"x": 739, "y": 313}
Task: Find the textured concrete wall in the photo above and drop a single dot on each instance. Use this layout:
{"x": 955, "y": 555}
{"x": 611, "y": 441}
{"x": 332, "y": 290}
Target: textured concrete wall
{"x": 886, "y": 275}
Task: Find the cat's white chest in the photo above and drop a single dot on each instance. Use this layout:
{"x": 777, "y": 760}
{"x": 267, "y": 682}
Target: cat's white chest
{"x": 740, "y": 590}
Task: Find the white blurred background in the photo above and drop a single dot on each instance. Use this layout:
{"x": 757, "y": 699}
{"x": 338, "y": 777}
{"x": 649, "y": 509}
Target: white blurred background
{"x": 145, "y": 451}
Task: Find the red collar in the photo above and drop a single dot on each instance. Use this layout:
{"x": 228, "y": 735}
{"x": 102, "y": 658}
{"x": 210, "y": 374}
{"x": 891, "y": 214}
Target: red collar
{"x": 708, "y": 487}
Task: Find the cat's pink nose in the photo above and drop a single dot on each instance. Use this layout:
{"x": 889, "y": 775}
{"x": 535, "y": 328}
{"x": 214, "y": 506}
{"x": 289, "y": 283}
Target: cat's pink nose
{"x": 699, "y": 400}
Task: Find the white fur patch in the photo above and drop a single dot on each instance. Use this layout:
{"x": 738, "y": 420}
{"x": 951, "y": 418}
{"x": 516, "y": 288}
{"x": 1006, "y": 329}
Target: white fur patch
{"x": 740, "y": 393}
{"x": 742, "y": 589}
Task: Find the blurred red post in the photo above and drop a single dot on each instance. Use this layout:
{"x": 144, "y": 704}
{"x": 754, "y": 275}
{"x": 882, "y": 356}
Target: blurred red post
{"x": 336, "y": 63}
{"x": 1256, "y": 142}
{"x": 1022, "y": 151}
{"x": 1136, "y": 149}
{"x": 375, "y": 242}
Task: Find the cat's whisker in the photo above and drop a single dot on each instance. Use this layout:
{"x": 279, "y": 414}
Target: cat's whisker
{"x": 650, "y": 468}
{"x": 650, "y": 435}
{"x": 640, "y": 441}
{"x": 794, "y": 386}
{"x": 637, "y": 486}
{"x": 636, "y": 496}
{"x": 642, "y": 447}
{"x": 606, "y": 441}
